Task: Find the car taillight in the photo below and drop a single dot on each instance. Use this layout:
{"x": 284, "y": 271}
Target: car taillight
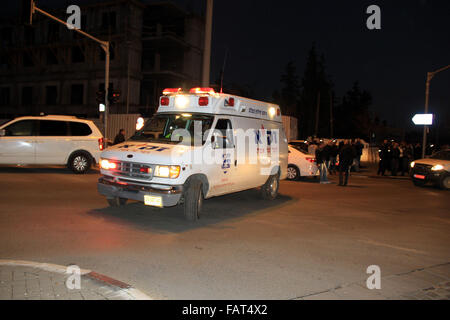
{"x": 165, "y": 101}
{"x": 101, "y": 145}
{"x": 203, "y": 101}
{"x": 312, "y": 160}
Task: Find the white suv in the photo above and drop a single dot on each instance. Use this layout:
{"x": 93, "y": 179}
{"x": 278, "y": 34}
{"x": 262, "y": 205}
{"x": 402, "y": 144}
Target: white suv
{"x": 51, "y": 140}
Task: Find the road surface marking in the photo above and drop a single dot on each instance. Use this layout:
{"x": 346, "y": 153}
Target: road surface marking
{"x": 391, "y": 246}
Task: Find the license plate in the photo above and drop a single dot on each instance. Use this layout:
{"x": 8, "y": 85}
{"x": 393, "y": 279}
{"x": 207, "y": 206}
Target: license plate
{"x": 419, "y": 176}
{"x": 154, "y": 201}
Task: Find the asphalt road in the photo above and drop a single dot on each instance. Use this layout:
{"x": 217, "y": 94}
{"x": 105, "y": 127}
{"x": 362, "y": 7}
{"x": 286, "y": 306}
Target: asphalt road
{"x": 312, "y": 238}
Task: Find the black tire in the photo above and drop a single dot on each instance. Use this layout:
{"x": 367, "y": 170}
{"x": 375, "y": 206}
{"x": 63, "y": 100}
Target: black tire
{"x": 293, "y": 172}
{"x": 269, "y": 190}
{"x": 418, "y": 183}
{"x": 80, "y": 162}
{"x": 193, "y": 200}
{"x": 444, "y": 182}
{"x": 116, "y": 202}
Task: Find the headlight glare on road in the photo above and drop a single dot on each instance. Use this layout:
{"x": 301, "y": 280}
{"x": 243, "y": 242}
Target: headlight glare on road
{"x": 413, "y": 164}
{"x": 437, "y": 167}
{"x": 171, "y": 172}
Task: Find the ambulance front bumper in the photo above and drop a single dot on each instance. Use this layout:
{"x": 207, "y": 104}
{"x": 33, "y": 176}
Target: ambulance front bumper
{"x": 170, "y": 195}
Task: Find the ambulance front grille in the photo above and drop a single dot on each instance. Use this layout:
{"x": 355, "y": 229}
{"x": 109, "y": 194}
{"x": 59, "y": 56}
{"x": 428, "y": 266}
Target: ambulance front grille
{"x": 133, "y": 170}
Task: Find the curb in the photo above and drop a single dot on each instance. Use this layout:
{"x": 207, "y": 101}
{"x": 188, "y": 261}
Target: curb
{"x": 124, "y": 288}
{"x": 390, "y": 177}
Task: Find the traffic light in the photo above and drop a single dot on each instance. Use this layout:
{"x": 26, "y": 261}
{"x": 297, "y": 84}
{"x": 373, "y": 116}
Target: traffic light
{"x": 100, "y": 96}
{"x": 27, "y": 10}
{"x": 113, "y": 96}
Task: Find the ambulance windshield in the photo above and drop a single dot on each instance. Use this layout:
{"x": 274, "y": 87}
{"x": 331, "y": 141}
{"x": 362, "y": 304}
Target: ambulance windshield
{"x": 173, "y": 128}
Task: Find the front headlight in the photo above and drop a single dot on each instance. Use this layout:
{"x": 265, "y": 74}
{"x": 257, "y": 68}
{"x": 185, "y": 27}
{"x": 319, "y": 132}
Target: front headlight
{"x": 107, "y": 165}
{"x": 413, "y": 164}
{"x": 171, "y": 172}
{"x": 437, "y": 167}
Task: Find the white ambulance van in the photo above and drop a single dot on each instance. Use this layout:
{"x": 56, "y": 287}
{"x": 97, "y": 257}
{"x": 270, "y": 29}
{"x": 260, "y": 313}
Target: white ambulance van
{"x": 200, "y": 144}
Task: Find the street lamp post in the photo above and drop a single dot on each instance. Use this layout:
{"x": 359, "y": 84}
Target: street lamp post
{"x": 106, "y": 48}
{"x": 430, "y": 76}
{"x": 104, "y": 44}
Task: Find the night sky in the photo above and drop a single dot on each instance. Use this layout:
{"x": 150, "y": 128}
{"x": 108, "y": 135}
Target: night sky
{"x": 391, "y": 63}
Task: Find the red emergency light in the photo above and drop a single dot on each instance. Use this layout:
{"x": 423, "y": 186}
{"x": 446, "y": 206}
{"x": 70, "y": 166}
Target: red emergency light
{"x": 203, "y": 101}
{"x": 229, "y": 102}
{"x": 168, "y": 91}
{"x": 145, "y": 170}
{"x": 199, "y": 90}
{"x": 165, "y": 101}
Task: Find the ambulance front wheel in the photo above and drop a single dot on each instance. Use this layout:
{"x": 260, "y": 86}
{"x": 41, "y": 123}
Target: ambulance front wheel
{"x": 269, "y": 190}
{"x": 193, "y": 200}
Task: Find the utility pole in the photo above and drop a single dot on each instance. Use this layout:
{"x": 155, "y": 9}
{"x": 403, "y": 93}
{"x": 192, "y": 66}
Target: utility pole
{"x": 207, "y": 44}
{"x": 104, "y": 45}
{"x": 430, "y": 76}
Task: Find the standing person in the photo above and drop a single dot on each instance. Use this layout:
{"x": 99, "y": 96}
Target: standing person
{"x": 417, "y": 151}
{"x": 120, "y": 137}
{"x": 333, "y": 152}
{"x": 395, "y": 158}
{"x": 321, "y": 160}
{"x": 383, "y": 153}
{"x": 341, "y": 145}
{"x": 408, "y": 155}
{"x": 346, "y": 156}
{"x": 388, "y": 163}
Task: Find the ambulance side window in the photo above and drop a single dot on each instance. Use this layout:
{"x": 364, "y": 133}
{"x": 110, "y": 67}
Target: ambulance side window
{"x": 223, "y": 134}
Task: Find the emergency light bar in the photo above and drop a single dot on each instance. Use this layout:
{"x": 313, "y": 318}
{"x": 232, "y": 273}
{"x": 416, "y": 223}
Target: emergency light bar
{"x": 168, "y": 91}
{"x": 202, "y": 90}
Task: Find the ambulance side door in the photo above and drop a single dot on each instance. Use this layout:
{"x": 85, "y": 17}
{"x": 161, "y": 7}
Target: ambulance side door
{"x": 222, "y": 171}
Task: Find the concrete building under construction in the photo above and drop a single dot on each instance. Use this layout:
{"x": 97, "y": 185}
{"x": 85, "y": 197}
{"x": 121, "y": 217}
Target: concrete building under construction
{"x": 49, "y": 68}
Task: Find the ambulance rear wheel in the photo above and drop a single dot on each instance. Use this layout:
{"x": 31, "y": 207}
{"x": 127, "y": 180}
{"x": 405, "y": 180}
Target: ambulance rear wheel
{"x": 116, "y": 201}
{"x": 269, "y": 190}
{"x": 193, "y": 200}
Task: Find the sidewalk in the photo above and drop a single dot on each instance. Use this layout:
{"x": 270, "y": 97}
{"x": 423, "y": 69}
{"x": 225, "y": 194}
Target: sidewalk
{"x": 370, "y": 171}
{"x": 431, "y": 283}
{"x": 23, "y": 280}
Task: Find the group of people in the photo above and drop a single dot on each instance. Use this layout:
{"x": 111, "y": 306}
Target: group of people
{"x": 332, "y": 158}
{"x": 396, "y": 157}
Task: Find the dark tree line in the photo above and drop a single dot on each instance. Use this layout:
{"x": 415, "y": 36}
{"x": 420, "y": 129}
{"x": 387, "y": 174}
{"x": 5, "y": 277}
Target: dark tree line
{"x": 313, "y": 102}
